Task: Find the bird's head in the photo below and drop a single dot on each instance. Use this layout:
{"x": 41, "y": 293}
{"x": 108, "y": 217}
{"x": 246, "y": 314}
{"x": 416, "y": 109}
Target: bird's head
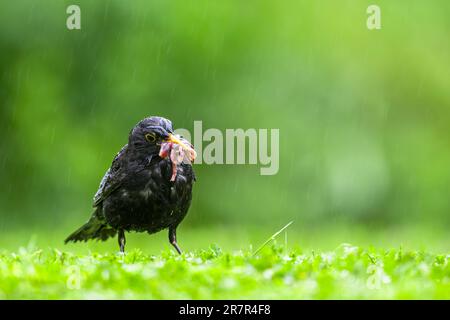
{"x": 152, "y": 132}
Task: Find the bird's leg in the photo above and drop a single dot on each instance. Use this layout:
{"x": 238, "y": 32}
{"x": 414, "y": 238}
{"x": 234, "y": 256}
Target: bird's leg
{"x": 173, "y": 239}
{"x": 122, "y": 240}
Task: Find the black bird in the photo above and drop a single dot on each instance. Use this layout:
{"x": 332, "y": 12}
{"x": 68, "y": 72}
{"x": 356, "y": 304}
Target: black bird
{"x": 144, "y": 190}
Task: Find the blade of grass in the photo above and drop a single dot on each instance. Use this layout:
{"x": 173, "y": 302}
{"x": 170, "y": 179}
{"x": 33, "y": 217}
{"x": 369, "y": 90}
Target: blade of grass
{"x": 272, "y": 238}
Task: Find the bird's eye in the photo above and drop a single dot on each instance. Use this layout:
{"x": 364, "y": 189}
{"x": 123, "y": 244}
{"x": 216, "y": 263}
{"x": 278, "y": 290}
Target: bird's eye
{"x": 150, "y": 137}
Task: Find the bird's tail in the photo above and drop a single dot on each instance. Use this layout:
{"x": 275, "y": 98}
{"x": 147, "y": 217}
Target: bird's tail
{"x": 95, "y": 228}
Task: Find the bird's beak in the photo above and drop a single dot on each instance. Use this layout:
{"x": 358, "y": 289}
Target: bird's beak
{"x": 187, "y": 148}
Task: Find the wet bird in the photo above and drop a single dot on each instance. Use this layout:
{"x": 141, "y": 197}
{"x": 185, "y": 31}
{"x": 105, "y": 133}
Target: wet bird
{"x": 148, "y": 187}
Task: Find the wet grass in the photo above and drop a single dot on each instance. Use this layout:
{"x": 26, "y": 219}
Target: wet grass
{"x": 274, "y": 273}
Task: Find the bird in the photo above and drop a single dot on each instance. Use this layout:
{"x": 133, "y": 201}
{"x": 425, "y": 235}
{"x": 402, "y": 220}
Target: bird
{"x": 145, "y": 189}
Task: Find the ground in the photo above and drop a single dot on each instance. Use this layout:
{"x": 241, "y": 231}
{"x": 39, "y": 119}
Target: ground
{"x": 281, "y": 270}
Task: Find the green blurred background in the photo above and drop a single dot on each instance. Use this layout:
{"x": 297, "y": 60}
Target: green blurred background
{"x": 364, "y": 116}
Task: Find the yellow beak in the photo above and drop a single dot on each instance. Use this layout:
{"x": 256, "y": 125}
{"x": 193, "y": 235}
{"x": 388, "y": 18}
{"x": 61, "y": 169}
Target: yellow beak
{"x": 187, "y": 148}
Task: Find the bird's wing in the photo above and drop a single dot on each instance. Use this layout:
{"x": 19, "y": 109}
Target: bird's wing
{"x": 112, "y": 179}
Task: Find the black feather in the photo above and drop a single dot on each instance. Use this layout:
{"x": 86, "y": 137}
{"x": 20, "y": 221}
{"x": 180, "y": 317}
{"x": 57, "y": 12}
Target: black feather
{"x": 136, "y": 193}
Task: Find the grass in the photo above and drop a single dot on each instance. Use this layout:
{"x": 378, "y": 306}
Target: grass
{"x": 386, "y": 263}
{"x": 274, "y": 273}
{"x": 325, "y": 237}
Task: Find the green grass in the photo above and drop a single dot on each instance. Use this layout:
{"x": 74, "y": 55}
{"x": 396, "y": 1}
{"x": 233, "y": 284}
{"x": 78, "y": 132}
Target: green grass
{"x": 274, "y": 273}
{"x": 312, "y": 263}
{"x": 324, "y": 237}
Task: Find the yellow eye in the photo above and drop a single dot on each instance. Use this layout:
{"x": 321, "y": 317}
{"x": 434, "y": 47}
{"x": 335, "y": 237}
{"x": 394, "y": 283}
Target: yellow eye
{"x": 150, "y": 137}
